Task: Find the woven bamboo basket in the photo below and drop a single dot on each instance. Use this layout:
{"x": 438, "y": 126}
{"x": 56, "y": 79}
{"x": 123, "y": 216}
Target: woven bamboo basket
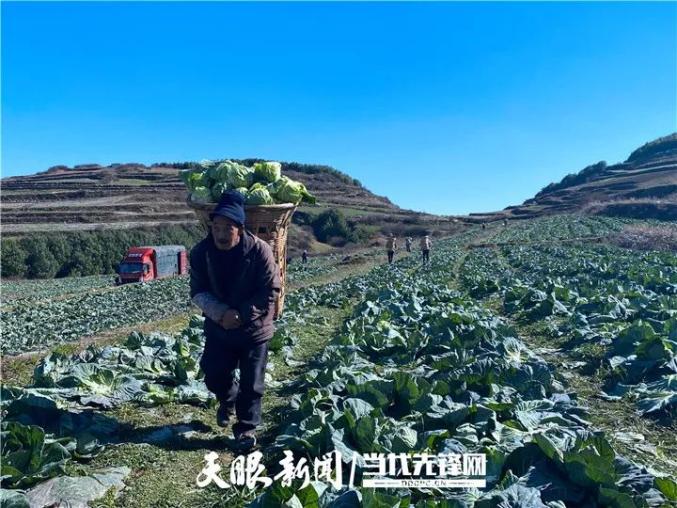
{"x": 268, "y": 222}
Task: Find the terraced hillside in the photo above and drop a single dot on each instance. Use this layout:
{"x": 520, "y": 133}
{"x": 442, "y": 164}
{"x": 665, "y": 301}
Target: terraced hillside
{"x": 644, "y": 186}
{"x": 92, "y": 197}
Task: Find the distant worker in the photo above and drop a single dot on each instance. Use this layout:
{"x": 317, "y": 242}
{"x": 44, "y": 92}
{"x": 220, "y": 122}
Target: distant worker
{"x": 391, "y": 245}
{"x": 484, "y": 226}
{"x": 425, "y": 248}
{"x": 408, "y": 244}
{"x": 304, "y": 256}
{"x": 505, "y": 222}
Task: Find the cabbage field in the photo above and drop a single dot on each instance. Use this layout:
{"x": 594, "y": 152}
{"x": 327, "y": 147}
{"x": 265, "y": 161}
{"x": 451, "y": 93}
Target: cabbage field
{"x": 553, "y": 356}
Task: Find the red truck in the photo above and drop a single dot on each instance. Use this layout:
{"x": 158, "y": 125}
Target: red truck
{"x": 142, "y": 264}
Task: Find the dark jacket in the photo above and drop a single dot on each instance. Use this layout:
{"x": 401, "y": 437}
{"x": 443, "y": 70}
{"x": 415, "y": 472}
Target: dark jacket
{"x": 252, "y": 293}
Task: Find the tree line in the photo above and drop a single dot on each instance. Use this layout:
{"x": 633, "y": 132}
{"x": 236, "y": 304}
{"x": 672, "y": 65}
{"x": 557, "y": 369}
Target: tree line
{"x": 66, "y": 254}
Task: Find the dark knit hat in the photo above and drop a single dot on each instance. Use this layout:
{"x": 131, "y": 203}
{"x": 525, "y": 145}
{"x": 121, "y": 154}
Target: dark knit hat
{"x": 231, "y": 206}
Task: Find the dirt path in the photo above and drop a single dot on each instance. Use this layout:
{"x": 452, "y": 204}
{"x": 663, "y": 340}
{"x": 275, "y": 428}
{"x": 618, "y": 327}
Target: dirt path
{"x": 486, "y": 234}
{"x": 165, "y": 446}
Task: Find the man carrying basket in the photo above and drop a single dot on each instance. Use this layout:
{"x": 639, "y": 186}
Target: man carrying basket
{"x": 234, "y": 280}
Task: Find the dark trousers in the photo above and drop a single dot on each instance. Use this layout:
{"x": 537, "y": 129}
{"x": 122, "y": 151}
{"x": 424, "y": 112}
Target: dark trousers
{"x": 223, "y": 354}
{"x": 390, "y": 256}
{"x": 426, "y": 256}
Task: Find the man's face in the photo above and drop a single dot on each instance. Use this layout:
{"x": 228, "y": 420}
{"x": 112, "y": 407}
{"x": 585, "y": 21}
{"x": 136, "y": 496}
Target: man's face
{"x": 226, "y": 233}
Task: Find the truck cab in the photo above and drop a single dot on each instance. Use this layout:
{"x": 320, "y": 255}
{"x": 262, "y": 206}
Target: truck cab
{"x": 137, "y": 266}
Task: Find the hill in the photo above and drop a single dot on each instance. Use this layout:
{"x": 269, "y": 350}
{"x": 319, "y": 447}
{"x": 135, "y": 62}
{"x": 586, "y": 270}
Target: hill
{"x": 643, "y": 186}
{"x": 90, "y": 197}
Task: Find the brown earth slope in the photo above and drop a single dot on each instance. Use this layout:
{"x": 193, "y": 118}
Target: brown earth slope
{"x": 93, "y": 197}
{"x": 644, "y": 186}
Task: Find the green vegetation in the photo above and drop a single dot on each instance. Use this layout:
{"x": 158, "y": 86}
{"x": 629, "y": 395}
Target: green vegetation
{"x": 661, "y": 146}
{"x": 27, "y": 291}
{"x": 560, "y": 227}
{"x": 309, "y": 169}
{"x": 584, "y": 175}
{"x": 401, "y": 378}
{"x": 29, "y": 325}
{"x": 332, "y": 224}
{"x": 618, "y": 302}
{"x": 460, "y": 356}
{"x": 118, "y": 386}
{"x": 67, "y": 254}
{"x": 262, "y": 184}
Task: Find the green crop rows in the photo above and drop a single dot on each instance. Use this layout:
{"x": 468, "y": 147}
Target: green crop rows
{"x": 623, "y": 300}
{"x": 559, "y": 228}
{"x": 428, "y": 360}
{"x": 31, "y": 325}
{"x": 36, "y": 290}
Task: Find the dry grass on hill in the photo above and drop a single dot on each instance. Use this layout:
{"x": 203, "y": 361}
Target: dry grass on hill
{"x": 647, "y": 237}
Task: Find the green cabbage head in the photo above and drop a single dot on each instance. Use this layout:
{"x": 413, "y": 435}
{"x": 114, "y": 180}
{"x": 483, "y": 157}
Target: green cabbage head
{"x": 219, "y": 174}
{"x": 239, "y": 176}
{"x": 193, "y": 179}
{"x": 289, "y": 191}
{"x": 258, "y": 195}
{"x": 267, "y": 172}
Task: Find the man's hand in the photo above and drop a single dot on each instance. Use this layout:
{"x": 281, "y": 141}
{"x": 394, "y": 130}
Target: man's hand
{"x": 231, "y": 319}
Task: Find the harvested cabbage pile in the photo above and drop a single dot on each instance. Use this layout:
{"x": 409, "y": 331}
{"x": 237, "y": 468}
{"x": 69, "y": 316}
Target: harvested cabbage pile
{"x": 262, "y": 184}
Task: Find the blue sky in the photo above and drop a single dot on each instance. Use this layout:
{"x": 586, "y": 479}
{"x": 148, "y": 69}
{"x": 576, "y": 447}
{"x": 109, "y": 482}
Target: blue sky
{"x": 443, "y": 107}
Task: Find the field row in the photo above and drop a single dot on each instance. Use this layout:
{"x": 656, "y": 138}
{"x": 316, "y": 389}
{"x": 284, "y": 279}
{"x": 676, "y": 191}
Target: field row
{"x": 426, "y": 360}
